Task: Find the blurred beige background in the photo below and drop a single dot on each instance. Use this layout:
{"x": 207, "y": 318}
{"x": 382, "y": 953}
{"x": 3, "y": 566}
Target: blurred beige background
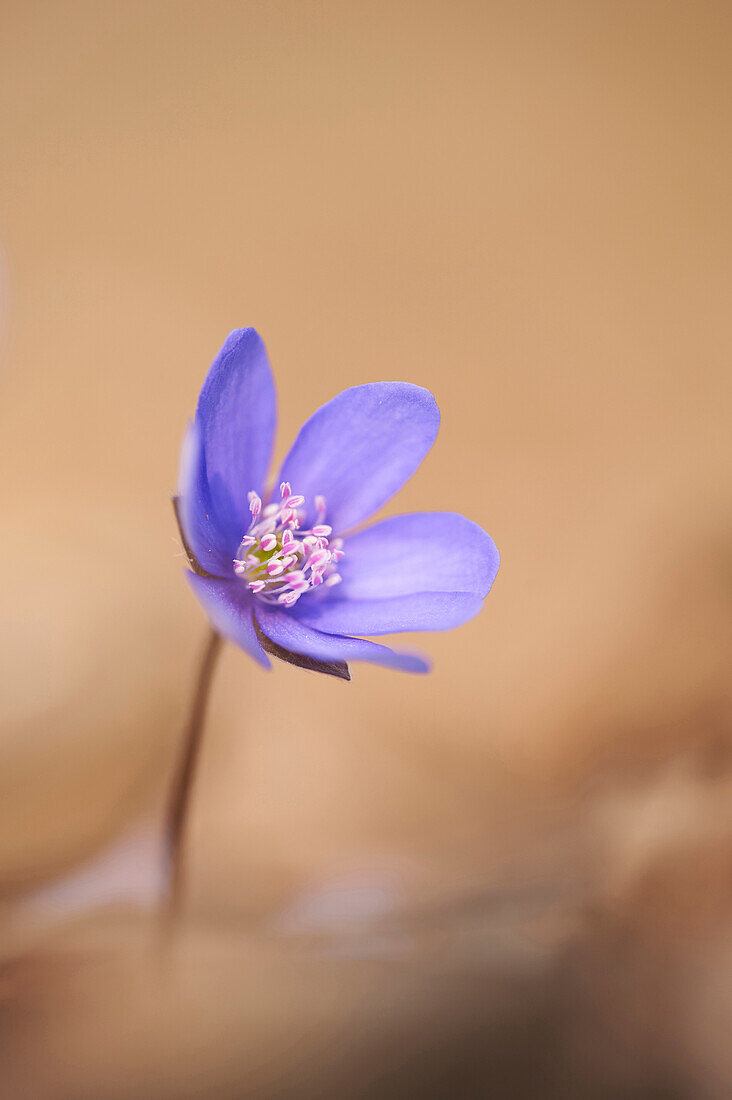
{"x": 523, "y": 859}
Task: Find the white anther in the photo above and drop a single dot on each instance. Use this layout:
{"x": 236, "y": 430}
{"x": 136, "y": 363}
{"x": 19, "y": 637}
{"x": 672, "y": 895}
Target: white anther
{"x": 269, "y": 542}
{"x": 256, "y": 586}
{"x": 320, "y": 557}
{"x": 285, "y": 490}
{"x": 334, "y": 578}
{"x": 323, "y": 530}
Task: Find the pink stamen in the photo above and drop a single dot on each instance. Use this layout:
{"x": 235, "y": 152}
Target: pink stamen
{"x": 264, "y": 527}
{"x": 300, "y": 559}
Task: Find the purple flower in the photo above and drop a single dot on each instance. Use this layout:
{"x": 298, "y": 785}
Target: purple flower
{"x": 288, "y": 572}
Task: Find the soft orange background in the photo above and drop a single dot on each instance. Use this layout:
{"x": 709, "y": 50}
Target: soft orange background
{"x": 515, "y": 870}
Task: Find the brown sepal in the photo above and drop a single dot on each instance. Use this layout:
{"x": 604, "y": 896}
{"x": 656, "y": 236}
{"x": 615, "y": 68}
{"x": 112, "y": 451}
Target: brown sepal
{"x": 328, "y": 668}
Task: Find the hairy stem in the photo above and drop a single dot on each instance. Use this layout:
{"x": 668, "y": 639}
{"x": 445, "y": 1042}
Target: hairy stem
{"x": 182, "y": 786}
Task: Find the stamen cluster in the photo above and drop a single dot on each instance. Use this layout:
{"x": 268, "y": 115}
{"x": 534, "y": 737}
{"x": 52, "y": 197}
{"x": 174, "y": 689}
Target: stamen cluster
{"x": 280, "y": 560}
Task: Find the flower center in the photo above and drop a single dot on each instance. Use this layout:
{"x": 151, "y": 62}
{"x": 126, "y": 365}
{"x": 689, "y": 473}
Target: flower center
{"x": 278, "y": 559}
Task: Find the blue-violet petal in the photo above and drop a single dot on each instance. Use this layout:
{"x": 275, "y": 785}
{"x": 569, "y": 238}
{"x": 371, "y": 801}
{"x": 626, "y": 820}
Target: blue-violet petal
{"x": 360, "y": 448}
{"x": 196, "y": 511}
{"x": 421, "y": 552}
{"x": 237, "y": 414}
{"x": 286, "y": 631}
{"x": 229, "y": 608}
{"x": 417, "y": 611}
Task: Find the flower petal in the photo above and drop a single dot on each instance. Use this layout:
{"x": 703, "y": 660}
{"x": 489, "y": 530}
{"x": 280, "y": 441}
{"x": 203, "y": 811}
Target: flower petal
{"x": 195, "y": 510}
{"x": 237, "y": 413}
{"x": 360, "y": 448}
{"x": 418, "y": 611}
{"x": 229, "y": 608}
{"x": 286, "y": 631}
{"x": 421, "y": 552}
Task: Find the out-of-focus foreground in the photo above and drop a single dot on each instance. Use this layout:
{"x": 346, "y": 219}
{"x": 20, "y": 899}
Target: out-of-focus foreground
{"x": 510, "y": 878}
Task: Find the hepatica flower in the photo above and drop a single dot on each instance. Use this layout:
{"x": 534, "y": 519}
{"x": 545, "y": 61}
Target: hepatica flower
{"x": 288, "y": 570}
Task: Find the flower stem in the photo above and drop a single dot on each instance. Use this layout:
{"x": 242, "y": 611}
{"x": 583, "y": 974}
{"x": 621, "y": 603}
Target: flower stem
{"x": 180, "y": 792}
